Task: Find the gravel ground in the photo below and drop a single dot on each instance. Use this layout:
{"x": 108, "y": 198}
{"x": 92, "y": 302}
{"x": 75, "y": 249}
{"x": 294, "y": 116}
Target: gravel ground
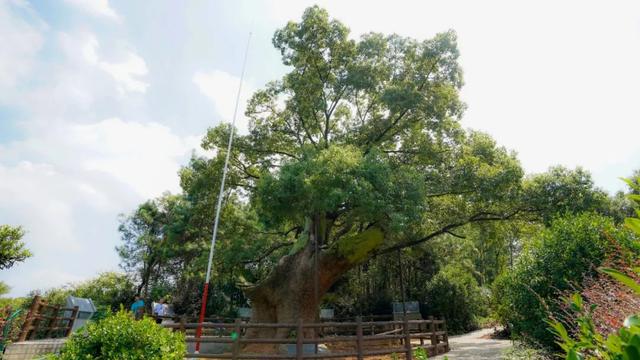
{"x": 476, "y": 346}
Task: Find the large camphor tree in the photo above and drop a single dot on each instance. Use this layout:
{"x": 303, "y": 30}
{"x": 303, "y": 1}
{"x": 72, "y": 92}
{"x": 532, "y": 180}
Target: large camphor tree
{"x": 357, "y": 151}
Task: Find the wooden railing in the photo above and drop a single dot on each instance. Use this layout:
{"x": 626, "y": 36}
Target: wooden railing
{"x": 46, "y": 321}
{"x": 399, "y": 337}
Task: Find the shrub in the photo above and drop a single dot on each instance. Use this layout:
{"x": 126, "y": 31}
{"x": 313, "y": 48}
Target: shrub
{"x": 561, "y": 255}
{"x": 585, "y": 339}
{"x": 121, "y": 337}
{"x": 454, "y": 293}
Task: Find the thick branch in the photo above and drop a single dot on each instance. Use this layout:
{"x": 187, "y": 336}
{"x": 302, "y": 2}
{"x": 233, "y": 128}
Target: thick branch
{"x": 269, "y": 252}
{"x": 479, "y": 217}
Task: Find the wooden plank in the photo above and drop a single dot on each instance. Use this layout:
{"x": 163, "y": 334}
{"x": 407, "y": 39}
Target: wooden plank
{"x": 236, "y": 343}
{"x": 407, "y": 340}
{"x": 299, "y": 339}
{"x": 359, "y": 337}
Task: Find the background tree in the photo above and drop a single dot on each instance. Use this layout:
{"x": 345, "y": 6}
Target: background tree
{"x": 560, "y": 191}
{"x": 12, "y": 249}
{"x": 148, "y": 241}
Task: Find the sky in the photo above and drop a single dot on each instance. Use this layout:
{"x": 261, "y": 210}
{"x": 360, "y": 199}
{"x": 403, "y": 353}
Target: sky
{"x": 102, "y": 101}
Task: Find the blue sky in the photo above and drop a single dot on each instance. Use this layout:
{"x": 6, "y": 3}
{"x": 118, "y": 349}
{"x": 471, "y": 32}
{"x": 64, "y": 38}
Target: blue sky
{"x": 102, "y": 101}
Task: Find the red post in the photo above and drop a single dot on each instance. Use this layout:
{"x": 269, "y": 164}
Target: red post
{"x": 205, "y": 293}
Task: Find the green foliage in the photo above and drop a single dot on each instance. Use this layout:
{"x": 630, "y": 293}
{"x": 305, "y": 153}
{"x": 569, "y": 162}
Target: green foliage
{"x": 15, "y": 303}
{"x": 121, "y": 337}
{"x": 420, "y": 354}
{"x": 4, "y": 288}
{"x": 521, "y": 351}
{"x": 586, "y": 343}
{"x": 563, "y": 191}
{"x": 357, "y": 247}
{"x": 108, "y": 291}
{"x": 12, "y": 249}
{"x": 559, "y": 256}
{"x": 454, "y": 293}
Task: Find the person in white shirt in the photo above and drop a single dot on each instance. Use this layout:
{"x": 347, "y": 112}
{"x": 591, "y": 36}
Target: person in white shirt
{"x": 159, "y": 310}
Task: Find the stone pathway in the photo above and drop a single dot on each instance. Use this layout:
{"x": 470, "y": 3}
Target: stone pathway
{"x": 473, "y": 346}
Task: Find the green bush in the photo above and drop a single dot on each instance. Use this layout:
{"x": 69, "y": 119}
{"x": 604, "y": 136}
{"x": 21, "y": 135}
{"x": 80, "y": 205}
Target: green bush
{"x": 121, "y": 337}
{"x": 553, "y": 261}
{"x": 584, "y": 341}
{"x": 454, "y": 293}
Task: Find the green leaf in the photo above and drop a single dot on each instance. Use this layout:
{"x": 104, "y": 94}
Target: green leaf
{"x": 632, "y": 352}
{"x": 560, "y": 331}
{"x": 573, "y": 355}
{"x": 633, "y": 320}
{"x": 622, "y": 278}
{"x": 634, "y": 197}
{"x": 633, "y": 224}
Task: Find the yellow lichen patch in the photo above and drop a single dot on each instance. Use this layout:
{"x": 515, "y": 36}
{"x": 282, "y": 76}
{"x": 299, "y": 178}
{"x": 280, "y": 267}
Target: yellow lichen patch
{"x": 356, "y": 248}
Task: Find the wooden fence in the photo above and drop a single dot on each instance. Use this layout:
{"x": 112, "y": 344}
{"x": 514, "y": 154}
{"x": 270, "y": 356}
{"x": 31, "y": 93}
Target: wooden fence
{"x": 399, "y": 337}
{"x": 46, "y": 321}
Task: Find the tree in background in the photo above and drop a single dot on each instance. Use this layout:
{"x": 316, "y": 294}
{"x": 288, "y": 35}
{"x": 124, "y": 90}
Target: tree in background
{"x": 560, "y": 191}
{"x": 148, "y": 242}
{"x": 4, "y": 288}
{"x": 12, "y": 249}
{"x": 108, "y": 290}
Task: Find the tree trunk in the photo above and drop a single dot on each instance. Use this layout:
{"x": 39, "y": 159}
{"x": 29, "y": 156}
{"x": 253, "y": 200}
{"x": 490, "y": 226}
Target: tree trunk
{"x": 289, "y": 292}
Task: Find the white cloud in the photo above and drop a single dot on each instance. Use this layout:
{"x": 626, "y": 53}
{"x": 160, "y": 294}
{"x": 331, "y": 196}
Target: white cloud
{"x": 69, "y": 197}
{"x": 21, "y": 41}
{"x": 144, "y": 156}
{"x": 222, "y": 88}
{"x": 77, "y": 163}
{"x": 126, "y": 72}
{"x": 95, "y": 8}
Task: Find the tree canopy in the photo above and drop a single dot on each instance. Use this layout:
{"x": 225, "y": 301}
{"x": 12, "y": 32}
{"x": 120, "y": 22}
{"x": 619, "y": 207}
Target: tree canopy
{"x": 12, "y": 249}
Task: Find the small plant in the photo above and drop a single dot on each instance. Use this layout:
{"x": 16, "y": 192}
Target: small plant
{"x": 421, "y": 354}
{"x": 394, "y": 356}
{"x": 119, "y": 336}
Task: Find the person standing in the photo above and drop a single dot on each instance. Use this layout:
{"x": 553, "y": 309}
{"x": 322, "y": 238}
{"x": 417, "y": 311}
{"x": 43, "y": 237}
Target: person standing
{"x": 137, "y": 308}
{"x": 159, "y": 311}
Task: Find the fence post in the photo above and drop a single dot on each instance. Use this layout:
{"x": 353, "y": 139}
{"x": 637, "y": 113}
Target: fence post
{"x": 299, "y": 341}
{"x": 236, "y": 341}
{"x": 434, "y": 336}
{"x": 407, "y": 338}
{"x": 183, "y": 328}
{"x": 445, "y": 337}
{"x": 74, "y": 315}
{"x": 33, "y": 310}
{"x": 359, "y": 337}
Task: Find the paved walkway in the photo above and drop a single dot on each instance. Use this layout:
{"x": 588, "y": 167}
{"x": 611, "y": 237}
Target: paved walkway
{"x": 473, "y": 346}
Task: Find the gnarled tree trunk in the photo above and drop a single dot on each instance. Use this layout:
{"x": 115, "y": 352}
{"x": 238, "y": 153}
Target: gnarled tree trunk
{"x": 289, "y": 292}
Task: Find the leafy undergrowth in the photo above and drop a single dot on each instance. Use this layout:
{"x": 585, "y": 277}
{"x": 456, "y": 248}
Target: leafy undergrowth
{"x": 522, "y": 352}
{"x": 611, "y": 300}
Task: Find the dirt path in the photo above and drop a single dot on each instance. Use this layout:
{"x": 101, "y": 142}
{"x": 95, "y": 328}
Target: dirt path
{"x": 475, "y": 346}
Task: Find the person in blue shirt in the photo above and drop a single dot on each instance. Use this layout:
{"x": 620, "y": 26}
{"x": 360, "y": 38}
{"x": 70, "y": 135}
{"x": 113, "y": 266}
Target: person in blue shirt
{"x": 137, "y": 308}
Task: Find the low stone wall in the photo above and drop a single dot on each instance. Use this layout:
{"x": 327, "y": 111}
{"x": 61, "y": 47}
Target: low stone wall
{"x": 33, "y": 349}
